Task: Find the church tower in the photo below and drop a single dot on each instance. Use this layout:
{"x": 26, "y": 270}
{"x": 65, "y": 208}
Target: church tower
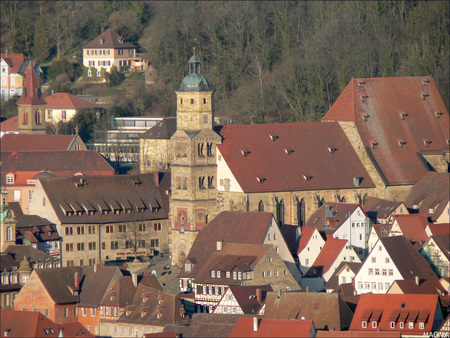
{"x": 193, "y": 200}
{"x": 31, "y": 105}
{"x": 7, "y": 223}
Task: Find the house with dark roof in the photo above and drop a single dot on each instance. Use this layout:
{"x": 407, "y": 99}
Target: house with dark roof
{"x": 34, "y": 142}
{"x": 105, "y": 218}
{"x": 40, "y": 233}
{"x": 268, "y": 167}
{"x": 412, "y": 315}
{"x": 334, "y": 252}
{"x": 64, "y": 106}
{"x": 22, "y": 169}
{"x": 431, "y": 197}
{"x": 343, "y": 221}
{"x": 392, "y": 258}
{"x": 150, "y": 311}
{"x": 381, "y": 210}
{"x": 110, "y": 49}
{"x": 57, "y": 293}
{"x": 344, "y": 274}
{"x": 399, "y": 128}
{"x": 436, "y": 251}
{"x": 234, "y": 227}
{"x": 239, "y": 264}
{"x": 243, "y": 299}
{"x": 309, "y": 246}
{"x": 263, "y": 327}
{"x": 156, "y": 147}
{"x": 327, "y": 310}
{"x": 35, "y": 325}
{"x": 411, "y": 226}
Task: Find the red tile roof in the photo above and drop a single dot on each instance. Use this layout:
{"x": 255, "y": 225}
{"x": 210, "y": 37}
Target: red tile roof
{"x": 440, "y": 229}
{"x": 278, "y": 157}
{"x": 32, "y": 89}
{"x": 385, "y": 308}
{"x": 68, "y": 101}
{"x": 29, "y": 142}
{"x": 376, "y": 107}
{"x": 109, "y": 39}
{"x": 14, "y": 61}
{"x": 413, "y": 226}
{"x": 60, "y": 163}
{"x": 11, "y": 124}
{"x": 307, "y": 232}
{"x": 328, "y": 255}
{"x": 272, "y": 328}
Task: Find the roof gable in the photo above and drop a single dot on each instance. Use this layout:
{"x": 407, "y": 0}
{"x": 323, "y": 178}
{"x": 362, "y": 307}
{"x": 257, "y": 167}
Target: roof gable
{"x": 412, "y": 226}
{"x": 277, "y": 157}
{"x": 32, "y": 89}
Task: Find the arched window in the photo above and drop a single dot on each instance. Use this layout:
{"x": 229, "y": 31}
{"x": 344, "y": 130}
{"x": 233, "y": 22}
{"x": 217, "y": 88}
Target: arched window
{"x": 37, "y": 116}
{"x": 261, "y": 206}
{"x": 280, "y": 212}
{"x": 301, "y": 212}
{"x": 25, "y": 118}
{"x": 8, "y": 234}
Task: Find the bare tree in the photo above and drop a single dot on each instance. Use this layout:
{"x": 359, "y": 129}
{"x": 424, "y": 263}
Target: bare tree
{"x": 136, "y": 237}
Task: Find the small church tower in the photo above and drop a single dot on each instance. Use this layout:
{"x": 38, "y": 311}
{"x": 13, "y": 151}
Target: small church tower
{"x": 31, "y": 105}
{"x": 193, "y": 200}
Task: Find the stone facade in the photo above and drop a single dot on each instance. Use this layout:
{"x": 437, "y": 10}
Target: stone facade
{"x": 155, "y": 154}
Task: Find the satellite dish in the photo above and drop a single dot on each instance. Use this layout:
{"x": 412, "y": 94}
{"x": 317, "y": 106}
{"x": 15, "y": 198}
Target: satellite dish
{"x": 154, "y": 272}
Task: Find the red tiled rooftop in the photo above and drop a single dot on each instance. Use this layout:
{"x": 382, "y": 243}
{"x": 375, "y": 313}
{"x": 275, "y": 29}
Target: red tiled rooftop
{"x": 376, "y": 106}
{"x": 11, "y": 124}
{"x": 306, "y": 236}
{"x": 413, "y": 226}
{"x": 329, "y": 253}
{"x": 29, "y": 142}
{"x": 67, "y": 101}
{"x": 272, "y": 328}
{"x": 13, "y": 60}
{"x": 278, "y": 157}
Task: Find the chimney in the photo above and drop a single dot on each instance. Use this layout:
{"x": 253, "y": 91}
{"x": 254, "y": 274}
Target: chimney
{"x": 76, "y": 280}
{"x": 255, "y": 324}
{"x": 219, "y": 245}
{"x": 134, "y": 278}
{"x": 156, "y": 178}
{"x": 259, "y": 295}
{"x": 416, "y": 278}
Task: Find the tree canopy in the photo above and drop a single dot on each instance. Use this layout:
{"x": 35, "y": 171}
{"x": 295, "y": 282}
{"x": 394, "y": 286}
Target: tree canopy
{"x": 268, "y": 61}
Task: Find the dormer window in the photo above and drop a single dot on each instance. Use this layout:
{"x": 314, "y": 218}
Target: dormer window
{"x": 289, "y": 150}
{"x": 427, "y": 142}
{"x": 364, "y": 98}
{"x": 260, "y": 179}
{"x": 273, "y": 137}
{"x": 361, "y": 83}
{"x": 331, "y": 149}
{"x": 403, "y": 115}
{"x": 245, "y": 152}
{"x": 307, "y": 177}
{"x": 213, "y": 274}
{"x": 401, "y": 143}
{"x": 438, "y": 114}
{"x": 424, "y": 96}
{"x": 10, "y": 179}
{"x": 431, "y": 210}
{"x": 365, "y": 117}
{"x": 374, "y": 144}
{"x": 425, "y": 82}
{"x": 101, "y": 41}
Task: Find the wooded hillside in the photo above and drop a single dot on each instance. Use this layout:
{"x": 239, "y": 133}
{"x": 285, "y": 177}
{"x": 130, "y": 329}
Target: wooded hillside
{"x": 268, "y": 61}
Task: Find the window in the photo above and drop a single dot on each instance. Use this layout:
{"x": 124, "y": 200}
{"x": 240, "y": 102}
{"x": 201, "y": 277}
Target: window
{"x": 80, "y": 246}
{"x": 307, "y": 261}
{"x": 402, "y": 325}
{"x": 157, "y": 226}
{"x": 80, "y": 230}
{"x": 391, "y": 272}
{"x": 392, "y": 324}
{"x": 192, "y": 101}
{"x": 13, "y": 81}
{"x": 373, "y": 285}
{"x": 377, "y": 272}
{"x": 69, "y": 246}
{"x": 234, "y": 274}
{"x": 8, "y": 234}
{"x": 115, "y": 245}
{"x": 421, "y": 325}
{"x": 66, "y": 312}
{"x": 63, "y": 115}
{"x": 10, "y": 179}
{"x": 370, "y": 271}
{"x": 228, "y": 274}
{"x": 374, "y": 325}
{"x": 374, "y": 259}
{"x": 46, "y": 312}
{"x": 380, "y": 286}
{"x": 387, "y": 260}
{"x": 364, "y": 324}
{"x": 84, "y": 311}
{"x": 384, "y": 272}
{"x": 122, "y": 228}
{"x": 109, "y": 229}
{"x": 91, "y": 229}
{"x": 213, "y": 273}
{"x": 269, "y": 273}
{"x": 411, "y": 325}
{"x": 25, "y": 118}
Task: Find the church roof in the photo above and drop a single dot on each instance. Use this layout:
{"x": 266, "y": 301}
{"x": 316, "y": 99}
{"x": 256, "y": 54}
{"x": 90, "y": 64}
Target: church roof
{"x": 390, "y": 115}
{"x": 195, "y": 82}
{"x": 291, "y": 157}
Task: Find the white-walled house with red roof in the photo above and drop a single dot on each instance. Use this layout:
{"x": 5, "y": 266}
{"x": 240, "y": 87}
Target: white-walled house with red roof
{"x": 64, "y": 106}
{"x": 309, "y": 246}
{"x": 332, "y": 255}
